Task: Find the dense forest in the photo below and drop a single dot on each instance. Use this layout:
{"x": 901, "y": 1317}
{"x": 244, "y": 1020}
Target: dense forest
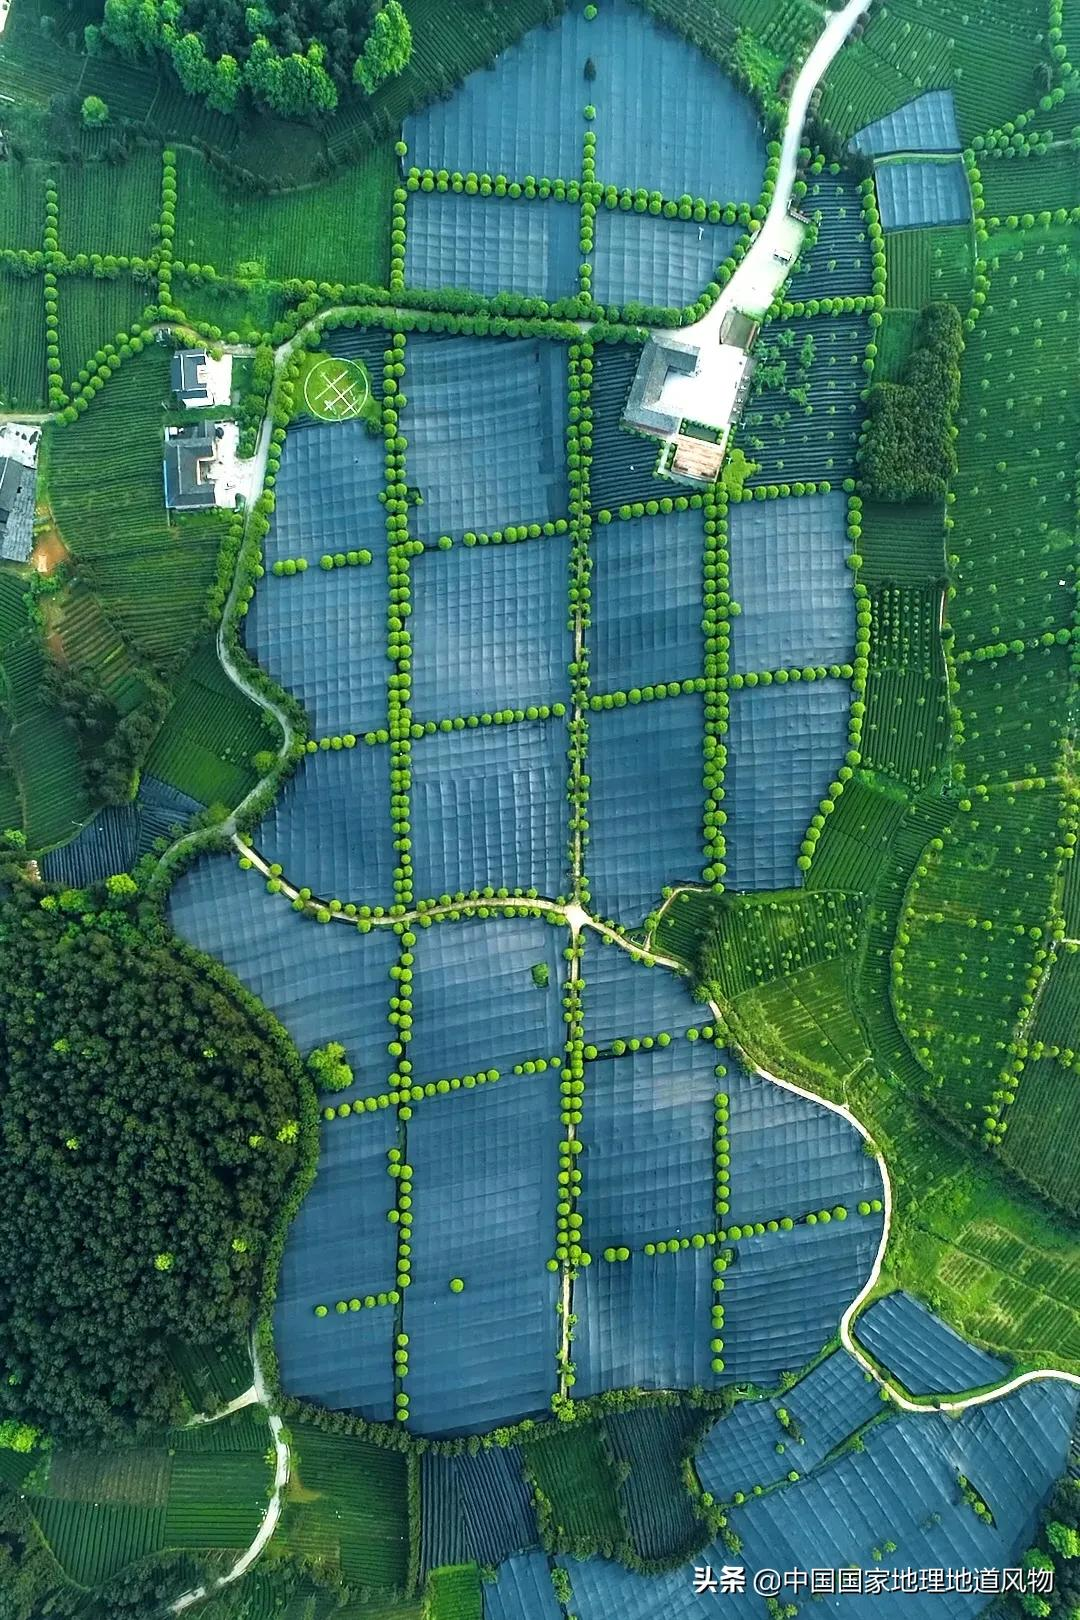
{"x": 293, "y": 56}
{"x": 149, "y": 1123}
{"x": 909, "y": 453}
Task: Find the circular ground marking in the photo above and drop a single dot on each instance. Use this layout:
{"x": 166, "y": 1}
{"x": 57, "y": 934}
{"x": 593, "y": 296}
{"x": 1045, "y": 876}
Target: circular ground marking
{"x": 336, "y": 390}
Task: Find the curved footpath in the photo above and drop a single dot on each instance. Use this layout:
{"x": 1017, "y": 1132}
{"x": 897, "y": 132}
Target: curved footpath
{"x": 258, "y": 1393}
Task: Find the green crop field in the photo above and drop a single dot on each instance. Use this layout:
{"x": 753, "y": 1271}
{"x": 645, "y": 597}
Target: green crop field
{"x": 927, "y": 264}
{"x": 455, "y": 1593}
{"x": 42, "y": 748}
{"x": 572, "y": 1472}
{"x": 907, "y": 728}
{"x": 1018, "y": 421}
{"x": 109, "y": 208}
{"x": 1017, "y": 186}
{"x": 93, "y": 311}
{"x": 908, "y": 48}
{"x": 22, "y": 364}
{"x": 1041, "y": 1127}
{"x": 151, "y": 574}
{"x": 22, "y": 204}
{"x": 216, "y": 1498}
{"x": 247, "y": 312}
{"x": 347, "y": 1504}
{"x": 336, "y": 231}
{"x": 92, "y": 1541}
{"x": 206, "y": 746}
{"x": 1014, "y": 712}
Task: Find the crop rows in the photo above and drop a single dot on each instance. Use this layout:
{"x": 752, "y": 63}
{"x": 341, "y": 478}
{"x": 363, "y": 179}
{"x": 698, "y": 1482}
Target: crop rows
{"x": 351, "y": 1508}
{"x": 1042, "y": 1125}
{"x": 1014, "y": 511}
{"x": 908, "y": 48}
{"x": 92, "y": 1542}
{"x": 929, "y": 263}
{"x": 108, "y": 208}
{"x": 93, "y": 311}
{"x": 22, "y": 363}
{"x": 135, "y": 1477}
{"x": 335, "y": 231}
{"x": 216, "y": 1499}
{"x": 575, "y": 1489}
{"x": 1017, "y": 185}
{"x": 906, "y": 729}
{"x": 206, "y": 745}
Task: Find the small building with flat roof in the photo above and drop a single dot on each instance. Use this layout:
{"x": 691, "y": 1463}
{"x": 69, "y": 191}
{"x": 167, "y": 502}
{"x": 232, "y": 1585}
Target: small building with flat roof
{"x": 198, "y": 380}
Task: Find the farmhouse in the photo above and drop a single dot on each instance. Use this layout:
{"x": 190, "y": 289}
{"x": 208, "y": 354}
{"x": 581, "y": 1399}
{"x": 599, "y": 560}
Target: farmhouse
{"x": 197, "y": 379}
{"x": 193, "y": 466}
{"x": 18, "y": 455}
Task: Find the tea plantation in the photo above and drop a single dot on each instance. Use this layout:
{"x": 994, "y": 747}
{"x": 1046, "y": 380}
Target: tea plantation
{"x": 657, "y": 892}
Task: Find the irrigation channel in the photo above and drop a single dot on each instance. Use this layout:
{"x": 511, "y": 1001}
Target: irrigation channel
{"x": 754, "y": 285}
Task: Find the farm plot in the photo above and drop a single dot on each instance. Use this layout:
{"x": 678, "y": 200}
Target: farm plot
{"x": 22, "y": 205}
{"x": 240, "y": 315}
{"x": 902, "y": 545}
{"x": 785, "y": 745}
{"x": 326, "y": 494}
{"x": 573, "y": 1472}
{"x": 152, "y": 577}
{"x": 455, "y": 1594}
{"x": 216, "y": 1499}
{"x": 1055, "y": 1015}
{"x": 648, "y": 1125}
{"x": 754, "y": 1446}
{"x": 896, "y": 1503}
{"x": 322, "y": 635}
{"x": 790, "y": 1156}
{"x": 489, "y": 808}
{"x": 624, "y": 463}
{"x": 93, "y": 1541}
{"x": 484, "y": 1186}
{"x": 42, "y": 747}
{"x": 333, "y": 231}
{"x": 1041, "y": 1128}
{"x": 928, "y": 263}
{"x": 625, "y": 998}
{"x": 348, "y": 1504}
{"x": 654, "y": 1500}
{"x": 1014, "y": 712}
{"x": 775, "y": 1317}
{"x": 488, "y": 628}
{"x": 906, "y": 50}
{"x": 509, "y": 244}
{"x": 840, "y": 261}
{"x": 22, "y": 364}
{"x": 645, "y": 769}
{"x": 918, "y": 193}
{"x": 93, "y": 311}
{"x": 474, "y": 1508}
{"x": 922, "y": 1351}
{"x": 805, "y": 410}
{"x": 341, "y": 1249}
{"x": 330, "y": 829}
{"x": 925, "y": 124}
{"x": 486, "y": 424}
{"x": 1018, "y": 420}
{"x": 523, "y": 1586}
{"x": 647, "y": 585}
{"x": 109, "y": 208}
{"x": 712, "y": 146}
{"x": 790, "y": 579}
{"x": 906, "y": 728}
{"x": 210, "y": 736}
{"x": 477, "y": 1003}
{"x": 322, "y": 983}
{"x": 642, "y": 259}
{"x": 1021, "y": 184}
{"x": 645, "y": 1323}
